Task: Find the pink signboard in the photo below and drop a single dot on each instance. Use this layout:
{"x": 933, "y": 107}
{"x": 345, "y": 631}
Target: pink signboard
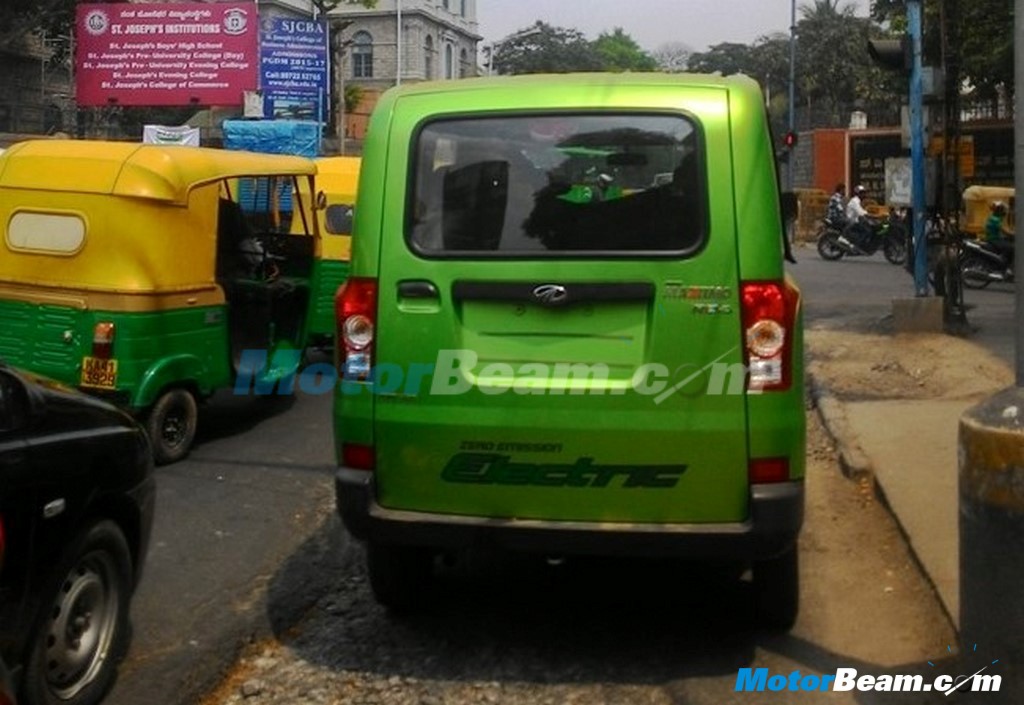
{"x": 166, "y": 54}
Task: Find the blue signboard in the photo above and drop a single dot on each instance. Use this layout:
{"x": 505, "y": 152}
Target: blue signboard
{"x": 294, "y": 69}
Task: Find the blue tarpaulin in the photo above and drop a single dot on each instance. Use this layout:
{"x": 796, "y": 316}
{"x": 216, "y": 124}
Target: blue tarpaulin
{"x": 298, "y": 137}
{"x": 301, "y": 137}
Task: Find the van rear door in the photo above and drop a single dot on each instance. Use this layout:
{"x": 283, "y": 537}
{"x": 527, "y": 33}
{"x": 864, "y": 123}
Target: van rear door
{"x": 559, "y": 324}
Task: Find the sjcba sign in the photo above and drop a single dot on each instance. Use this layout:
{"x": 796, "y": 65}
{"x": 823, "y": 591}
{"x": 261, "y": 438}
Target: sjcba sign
{"x": 293, "y": 68}
{"x": 161, "y": 54}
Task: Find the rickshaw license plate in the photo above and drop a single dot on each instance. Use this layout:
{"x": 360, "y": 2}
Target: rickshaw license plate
{"x": 98, "y": 373}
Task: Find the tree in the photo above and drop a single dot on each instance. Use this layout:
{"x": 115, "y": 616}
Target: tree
{"x": 354, "y": 95}
{"x": 620, "y": 52}
{"x": 832, "y": 49}
{"x": 542, "y": 48}
{"x": 770, "y": 57}
{"x": 672, "y": 57}
{"x": 984, "y": 29}
{"x": 726, "y": 58}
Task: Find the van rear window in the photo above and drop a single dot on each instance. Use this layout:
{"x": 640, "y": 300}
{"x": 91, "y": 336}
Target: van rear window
{"x": 531, "y": 185}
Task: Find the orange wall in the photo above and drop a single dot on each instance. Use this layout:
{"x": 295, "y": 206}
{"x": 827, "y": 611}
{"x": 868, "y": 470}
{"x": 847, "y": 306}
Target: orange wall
{"x": 830, "y": 159}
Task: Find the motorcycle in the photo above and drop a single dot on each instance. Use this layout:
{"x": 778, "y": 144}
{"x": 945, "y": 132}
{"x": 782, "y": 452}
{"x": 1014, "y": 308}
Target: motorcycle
{"x": 889, "y": 235}
{"x": 981, "y": 263}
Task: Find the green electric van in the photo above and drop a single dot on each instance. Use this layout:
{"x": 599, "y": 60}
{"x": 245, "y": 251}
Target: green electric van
{"x": 568, "y": 330}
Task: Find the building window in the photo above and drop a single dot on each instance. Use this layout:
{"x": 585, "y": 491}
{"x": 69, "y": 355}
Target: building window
{"x": 362, "y": 55}
{"x": 449, "y": 61}
{"x": 428, "y": 58}
{"x": 463, "y": 64}
{"x": 462, "y": 8}
{"x": 444, "y": 4}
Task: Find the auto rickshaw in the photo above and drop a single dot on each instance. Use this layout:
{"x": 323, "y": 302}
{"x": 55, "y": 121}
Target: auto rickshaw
{"x": 337, "y": 180}
{"x": 977, "y": 207}
{"x": 149, "y": 274}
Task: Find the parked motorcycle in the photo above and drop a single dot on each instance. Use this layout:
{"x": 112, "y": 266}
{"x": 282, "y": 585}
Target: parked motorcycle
{"x": 981, "y": 263}
{"x": 888, "y": 235}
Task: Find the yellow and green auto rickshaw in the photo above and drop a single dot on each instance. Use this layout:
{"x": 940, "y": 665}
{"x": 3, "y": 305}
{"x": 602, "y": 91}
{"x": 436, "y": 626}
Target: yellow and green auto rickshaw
{"x": 156, "y": 275}
{"x": 337, "y": 179}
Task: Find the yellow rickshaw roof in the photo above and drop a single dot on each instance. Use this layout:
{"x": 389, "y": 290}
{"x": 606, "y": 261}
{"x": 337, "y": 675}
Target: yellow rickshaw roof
{"x": 158, "y": 172}
{"x": 338, "y": 165}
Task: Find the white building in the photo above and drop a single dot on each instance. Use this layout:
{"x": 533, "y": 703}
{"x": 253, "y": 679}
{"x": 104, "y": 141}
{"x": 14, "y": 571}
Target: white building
{"x": 438, "y": 40}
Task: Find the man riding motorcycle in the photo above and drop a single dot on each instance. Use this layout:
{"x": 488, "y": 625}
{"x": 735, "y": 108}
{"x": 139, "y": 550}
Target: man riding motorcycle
{"x": 859, "y": 223}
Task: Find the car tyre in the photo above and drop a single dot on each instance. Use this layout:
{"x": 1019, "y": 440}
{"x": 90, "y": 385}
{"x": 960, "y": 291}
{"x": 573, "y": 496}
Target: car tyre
{"x": 777, "y": 590}
{"x": 400, "y": 576}
{"x": 81, "y": 631}
{"x": 171, "y": 425}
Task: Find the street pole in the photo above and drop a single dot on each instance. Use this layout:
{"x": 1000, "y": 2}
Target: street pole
{"x": 917, "y": 179}
{"x": 398, "y": 43}
{"x": 792, "y": 88}
{"x": 1018, "y": 169}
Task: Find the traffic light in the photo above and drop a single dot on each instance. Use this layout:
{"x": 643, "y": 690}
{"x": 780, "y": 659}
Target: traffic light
{"x": 790, "y": 139}
{"x": 892, "y": 54}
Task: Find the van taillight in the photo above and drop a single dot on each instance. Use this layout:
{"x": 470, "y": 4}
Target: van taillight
{"x": 769, "y": 318}
{"x": 762, "y": 470}
{"x": 358, "y": 456}
{"x": 103, "y": 340}
{"x": 355, "y": 310}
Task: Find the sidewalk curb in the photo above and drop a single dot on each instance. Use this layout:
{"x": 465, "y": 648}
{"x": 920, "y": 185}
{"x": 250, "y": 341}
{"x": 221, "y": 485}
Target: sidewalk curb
{"x": 854, "y": 463}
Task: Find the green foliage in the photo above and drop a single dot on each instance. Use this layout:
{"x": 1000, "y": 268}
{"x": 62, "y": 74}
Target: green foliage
{"x": 353, "y": 97}
{"x": 542, "y": 48}
{"x": 620, "y": 52}
{"x": 833, "y": 58}
{"x": 979, "y": 32}
{"x": 726, "y": 58}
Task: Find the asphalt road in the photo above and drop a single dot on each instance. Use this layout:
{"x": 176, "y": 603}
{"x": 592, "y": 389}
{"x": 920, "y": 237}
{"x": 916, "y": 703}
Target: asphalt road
{"x": 250, "y": 494}
{"x": 858, "y": 292}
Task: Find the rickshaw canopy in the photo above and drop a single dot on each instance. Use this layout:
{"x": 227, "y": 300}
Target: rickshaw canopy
{"x": 156, "y": 172}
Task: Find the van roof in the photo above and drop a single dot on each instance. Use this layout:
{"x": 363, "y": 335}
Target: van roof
{"x": 158, "y": 172}
{"x": 524, "y": 81}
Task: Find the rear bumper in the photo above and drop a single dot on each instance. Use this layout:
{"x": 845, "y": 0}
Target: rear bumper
{"x": 777, "y": 512}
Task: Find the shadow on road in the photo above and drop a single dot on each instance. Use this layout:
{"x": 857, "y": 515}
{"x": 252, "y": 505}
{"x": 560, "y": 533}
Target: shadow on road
{"x": 630, "y": 622}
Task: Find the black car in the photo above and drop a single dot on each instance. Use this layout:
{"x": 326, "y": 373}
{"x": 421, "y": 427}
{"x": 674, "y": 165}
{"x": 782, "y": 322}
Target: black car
{"x": 76, "y": 509}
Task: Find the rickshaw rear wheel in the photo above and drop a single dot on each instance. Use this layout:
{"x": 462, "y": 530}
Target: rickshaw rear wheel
{"x": 171, "y": 425}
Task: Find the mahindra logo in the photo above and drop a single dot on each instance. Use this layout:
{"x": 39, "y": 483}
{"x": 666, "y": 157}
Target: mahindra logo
{"x": 550, "y": 293}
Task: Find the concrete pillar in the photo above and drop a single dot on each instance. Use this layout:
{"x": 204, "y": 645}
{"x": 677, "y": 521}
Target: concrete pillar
{"x": 991, "y": 450}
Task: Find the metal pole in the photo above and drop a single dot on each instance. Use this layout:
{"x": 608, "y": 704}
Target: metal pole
{"x": 398, "y": 44}
{"x": 1018, "y": 169}
{"x": 917, "y": 150}
{"x": 792, "y": 89}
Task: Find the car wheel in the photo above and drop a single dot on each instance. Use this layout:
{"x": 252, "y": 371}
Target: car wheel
{"x": 400, "y": 576}
{"x": 828, "y": 248}
{"x": 777, "y": 590}
{"x": 82, "y": 629}
{"x": 171, "y": 425}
